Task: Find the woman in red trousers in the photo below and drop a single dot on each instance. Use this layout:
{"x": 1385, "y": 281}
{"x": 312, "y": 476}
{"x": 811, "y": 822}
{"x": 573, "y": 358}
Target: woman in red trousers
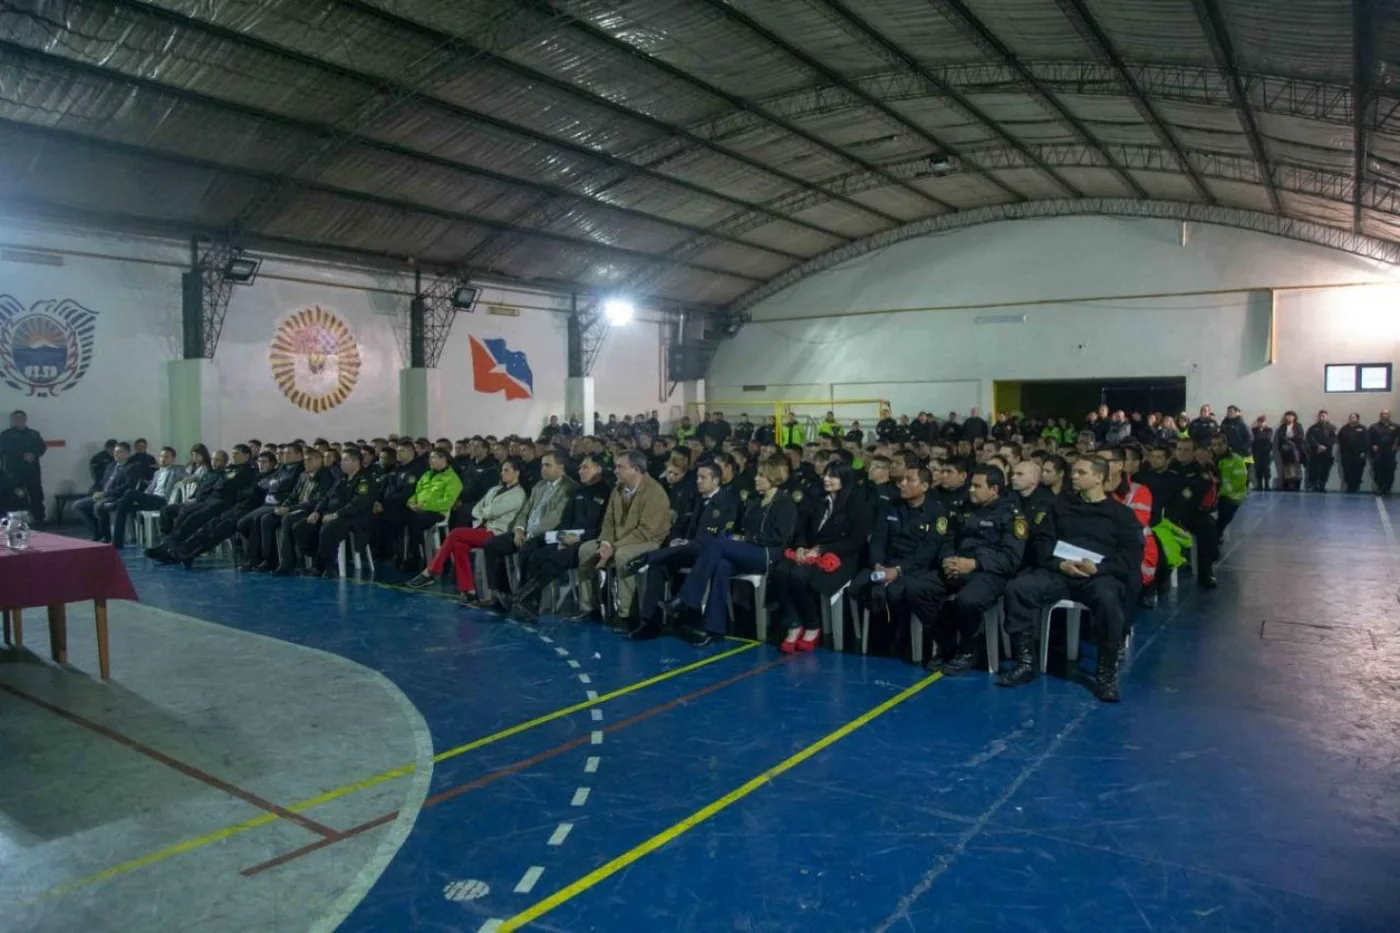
{"x": 491, "y": 516}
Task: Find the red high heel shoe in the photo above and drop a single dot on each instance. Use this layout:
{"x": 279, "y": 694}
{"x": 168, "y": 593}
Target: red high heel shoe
{"x": 788, "y": 647}
{"x": 809, "y": 644}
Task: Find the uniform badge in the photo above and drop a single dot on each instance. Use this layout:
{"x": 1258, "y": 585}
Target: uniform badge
{"x": 942, "y": 525}
{"x": 1019, "y": 528}
{"x": 714, "y": 513}
{"x": 797, "y": 495}
{"x": 1186, "y": 493}
{"x": 1039, "y": 517}
{"x": 363, "y": 487}
{"x": 743, "y": 495}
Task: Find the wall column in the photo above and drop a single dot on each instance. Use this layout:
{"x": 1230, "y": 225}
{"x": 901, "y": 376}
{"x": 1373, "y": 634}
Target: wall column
{"x": 578, "y": 399}
{"x": 413, "y": 401}
{"x": 192, "y": 406}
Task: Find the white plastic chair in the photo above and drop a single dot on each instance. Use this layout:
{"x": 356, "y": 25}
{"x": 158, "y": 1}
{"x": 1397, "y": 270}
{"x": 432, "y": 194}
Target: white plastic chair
{"x": 147, "y": 528}
{"x": 993, "y": 633}
{"x": 348, "y": 544}
{"x": 759, "y": 582}
{"x": 834, "y": 617}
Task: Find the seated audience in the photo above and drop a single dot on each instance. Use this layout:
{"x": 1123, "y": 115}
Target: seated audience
{"x": 582, "y": 522}
{"x": 119, "y": 477}
{"x": 285, "y": 521}
{"x": 153, "y": 496}
{"x": 542, "y": 512}
{"x": 275, "y": 488}
{"x": 491, "y": 516}
{"x": 635, "y": 522}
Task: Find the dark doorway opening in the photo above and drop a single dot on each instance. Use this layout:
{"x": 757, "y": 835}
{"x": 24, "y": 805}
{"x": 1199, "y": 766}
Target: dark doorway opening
{"x": 1074, "y": 398}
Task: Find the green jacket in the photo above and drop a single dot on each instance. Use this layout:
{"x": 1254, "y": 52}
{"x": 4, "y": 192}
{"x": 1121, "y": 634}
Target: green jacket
{"x": 828, "y": 429}
{"x": 1234, "y": 477}
{"x": 792, "y": 434}
{"x": 436, "y": 492}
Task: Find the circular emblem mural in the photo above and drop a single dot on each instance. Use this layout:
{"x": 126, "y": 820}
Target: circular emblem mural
{"x": 315, "y": 359}
{"x": 45, "y": 348}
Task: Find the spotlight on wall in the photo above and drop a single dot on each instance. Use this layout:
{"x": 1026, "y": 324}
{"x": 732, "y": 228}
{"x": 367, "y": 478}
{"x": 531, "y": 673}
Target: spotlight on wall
{"x": 619, "y": 311}
{"x": 464, "y": 297}
{"x": 241, "y": 270}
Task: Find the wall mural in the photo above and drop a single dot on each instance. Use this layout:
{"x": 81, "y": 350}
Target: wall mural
{"x": 315, "y": 359}
{"x": 45, "y": 348}
{"x": 497, "y": 368}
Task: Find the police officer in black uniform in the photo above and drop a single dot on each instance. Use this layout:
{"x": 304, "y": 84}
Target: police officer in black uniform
{"x": 952, "y": 491}
{"x": 396, "y": 487}
{"x": 1191, "y": 511}
{"x": 584, "y": 515}
{"x": 880, "y": 493}
{"x": 346, "y": 510}
{"x": 276, "y": 490}
{"x": 223, "y": 493}
{"x": 907, "y": 541}
{"x": 1385, "y": 438}
{"x": 713, "y": 515}
{"x": 1352, "y": 444}
{"x": 20, "y": 450}
{"x": 990, "y": 543}
{"x": 1318, "y": 443}
{"x": 311, "y": 487}
{"x": 1093, "y": 520}
{"x": 226, "y": 523}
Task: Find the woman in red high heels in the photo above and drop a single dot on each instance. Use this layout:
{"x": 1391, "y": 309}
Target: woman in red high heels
{"x": 835, "y": 528}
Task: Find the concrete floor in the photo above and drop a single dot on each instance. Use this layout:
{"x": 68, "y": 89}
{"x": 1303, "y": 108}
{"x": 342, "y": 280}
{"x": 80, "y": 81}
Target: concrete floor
{"x": 1248, "y": 781}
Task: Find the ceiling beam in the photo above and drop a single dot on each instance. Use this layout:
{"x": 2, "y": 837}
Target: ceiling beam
{"x": 71, "y": 138}
{"x": 597, "y": 100}
{"x": 1363, "y": 61}
{"x": 922, "y": 73}
{"x": 110, "y": 75}
{"x": 243, "y": 39}
{"x": 1213, "y": 25}
{"x": 733, "y": 100}
{"x": 988, "y": 40}
{"x": 1087, "y": 26}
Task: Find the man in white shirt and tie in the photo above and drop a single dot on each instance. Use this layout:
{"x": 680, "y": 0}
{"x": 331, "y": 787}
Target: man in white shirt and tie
{"x": 152, "y": 496}
{"x": 543, "y": 511}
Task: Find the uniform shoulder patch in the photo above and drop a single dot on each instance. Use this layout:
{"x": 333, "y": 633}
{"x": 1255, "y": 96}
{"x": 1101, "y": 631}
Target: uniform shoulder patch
{"x": 942, "y": 524}
{"x": 363, "y": 486}
{"x": 1186, "y": 493}
{"x": 714, "y": 513}
{"x": 797, "y": 495}
{"x": 1019, "y": 528}
{"x": 1040, "y": 517}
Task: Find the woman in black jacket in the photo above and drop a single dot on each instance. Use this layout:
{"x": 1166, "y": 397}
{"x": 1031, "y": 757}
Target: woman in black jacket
{"x": 1289, "y": 438}
{"x": 765, "y": 531}
{"x": 1261, "y": 447}
{"x": 838, "y": 525}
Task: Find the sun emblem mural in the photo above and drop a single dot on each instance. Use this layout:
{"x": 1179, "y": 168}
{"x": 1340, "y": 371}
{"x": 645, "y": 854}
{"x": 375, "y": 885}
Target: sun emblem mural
{"x": 315, "y": 359}
{"x": 47, "y": 347}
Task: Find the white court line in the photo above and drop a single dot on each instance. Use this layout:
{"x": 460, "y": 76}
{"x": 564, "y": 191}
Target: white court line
{"x": 593, "y": 695}
{"x": 585, "y": 679}
{"x": 591, "y": 765}
{"x": 561, "y": 832}
{"x": 491, "y": 926}
{"x": 597, "y": 737}
{"x": 580, "y": 797}
{"x": 562, "y": 652}
{"x": 573, "y": 662}
{"x": 597, "y": 715}
{"x": 548, "y": 641}
{"x": 529, "y": 879}
{"x": 1385, "y": 524}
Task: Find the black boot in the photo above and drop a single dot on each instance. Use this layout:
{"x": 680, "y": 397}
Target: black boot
{"x": 960, "y": 664}
{"x": 1023, "y": 658}
{"x": 1106, "y": 687}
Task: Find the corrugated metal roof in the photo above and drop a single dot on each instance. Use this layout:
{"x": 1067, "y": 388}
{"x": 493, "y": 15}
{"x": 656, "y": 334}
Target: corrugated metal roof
{"x": 695, "y": 149}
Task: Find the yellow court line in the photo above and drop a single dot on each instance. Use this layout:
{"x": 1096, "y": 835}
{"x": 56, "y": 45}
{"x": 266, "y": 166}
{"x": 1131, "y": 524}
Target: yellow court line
{"x": 218, "y": 835}
{"x": 695, "y": 819}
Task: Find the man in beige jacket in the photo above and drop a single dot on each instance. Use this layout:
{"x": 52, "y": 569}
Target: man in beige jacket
{"x": 636, "y": 521}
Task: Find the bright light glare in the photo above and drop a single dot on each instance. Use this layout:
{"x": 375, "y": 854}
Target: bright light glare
{"x": 619, "y": 311}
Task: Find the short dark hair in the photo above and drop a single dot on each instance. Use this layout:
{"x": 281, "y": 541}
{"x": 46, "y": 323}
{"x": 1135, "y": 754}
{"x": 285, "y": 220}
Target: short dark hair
{"x": 992, "y": 475}
{"x": 515, "y": 462}
{"x": 122, "y": 445}
{"x": 1099, "y": 466}
{"x": 636, "y": 459}
{"x": 712, "y": 468}
{"x": 140, "y": 440}
{"x": 243, "y": 449}
{"x": 922, "y": 472}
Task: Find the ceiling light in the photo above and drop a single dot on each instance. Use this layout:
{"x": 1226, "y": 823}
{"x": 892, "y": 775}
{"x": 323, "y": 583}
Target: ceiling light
{"x": 464, "y": 297}
{"x": 619, "y": 311}
{"x": 241, "y": 271}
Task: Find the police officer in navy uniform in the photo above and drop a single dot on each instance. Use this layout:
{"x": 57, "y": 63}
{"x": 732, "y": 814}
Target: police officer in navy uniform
{"x": 906, "y": 543}
{"x": 347, "y": 509}
{"x": 713, "y": 516}
{"x": 991, "y": 542}
{"x": 583, "y": 520}
{"x": 288, "y": 519}
{"x": 20, "y": 450}
{"x": 227, "y": 488}
{"x": 1385, "y": 438}
{"x": 1193, "y": 512}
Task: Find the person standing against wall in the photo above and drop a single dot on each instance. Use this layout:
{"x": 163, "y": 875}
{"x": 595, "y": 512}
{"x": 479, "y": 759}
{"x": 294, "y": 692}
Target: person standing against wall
{"x": 20, "y": 450}
{"x": 1351, "y": 444}
{"x": 1261, "y": 446}
{"x": 1384, "y": 438}
{"x": 1319, "y": 440}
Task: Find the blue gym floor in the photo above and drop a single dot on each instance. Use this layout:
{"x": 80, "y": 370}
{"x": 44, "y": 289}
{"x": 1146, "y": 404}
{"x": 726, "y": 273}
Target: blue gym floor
{"x": 1249, "y": 780}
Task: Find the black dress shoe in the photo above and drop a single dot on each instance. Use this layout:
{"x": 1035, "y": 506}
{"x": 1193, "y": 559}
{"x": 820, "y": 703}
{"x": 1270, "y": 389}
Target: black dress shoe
{"x": 331, "y": 574}
{"x": 524, "y": 612}
{"x": 643, "y": 630}
{"x": 959, "y": 664}
{"x": 698, "y": 637}
{"x": 284, "y": 572}
{"x": 266, "y": 566}
{"x": 580, "y": 615}
{"x": 1208, "y": 582}
{"x": 422, "y": 581}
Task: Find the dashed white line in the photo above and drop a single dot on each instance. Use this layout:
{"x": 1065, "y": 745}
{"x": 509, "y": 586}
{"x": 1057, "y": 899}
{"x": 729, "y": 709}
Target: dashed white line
{"x": 529, "y": 879}
{"x": 573, "y": 662}
{"x": 491, "y": 926}
{"x": 580, "y": 797}
{"x": 591, "y": 765}
{"x": 561, "y": 832}
{"x": 593, "y": 695}
{"x": 562, "y": 652}
{"x": 546, "y": 639}
{"x": 597, "y": 715}
{"x": 597, "y": 737}
{"x": 585, "y": 679}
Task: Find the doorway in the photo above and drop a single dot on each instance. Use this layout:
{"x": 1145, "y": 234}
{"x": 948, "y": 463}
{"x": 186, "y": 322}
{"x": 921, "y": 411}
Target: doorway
{"x": 1074, "y": 398}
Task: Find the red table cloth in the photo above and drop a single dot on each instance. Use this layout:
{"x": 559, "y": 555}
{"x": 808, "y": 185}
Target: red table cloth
{"x": 57, "y": 570}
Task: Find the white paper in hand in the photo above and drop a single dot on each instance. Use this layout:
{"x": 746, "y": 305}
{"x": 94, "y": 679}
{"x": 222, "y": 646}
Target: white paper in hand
{"x": 1066, "y": 551}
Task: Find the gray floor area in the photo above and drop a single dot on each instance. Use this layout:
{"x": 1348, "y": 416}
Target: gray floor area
{"x": 265, "y": 716}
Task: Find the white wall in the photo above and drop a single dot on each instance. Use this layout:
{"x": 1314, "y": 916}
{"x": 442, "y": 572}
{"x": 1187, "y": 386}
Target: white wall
{"x": 133, "y": 286}
{"x": 1218, "y": 342}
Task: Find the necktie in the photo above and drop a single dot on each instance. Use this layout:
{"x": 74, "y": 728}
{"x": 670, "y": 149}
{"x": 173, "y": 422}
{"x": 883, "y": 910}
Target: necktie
{"x": 533, "y": 522}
